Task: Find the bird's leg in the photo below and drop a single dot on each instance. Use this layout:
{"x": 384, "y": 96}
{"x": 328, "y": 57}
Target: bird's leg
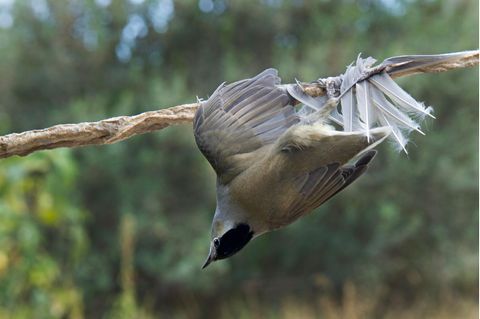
{"x": 322, "y": 115}
{"x": 331, "y": 85}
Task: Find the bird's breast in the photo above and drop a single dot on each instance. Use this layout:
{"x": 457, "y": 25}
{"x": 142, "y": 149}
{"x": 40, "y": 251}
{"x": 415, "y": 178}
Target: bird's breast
{"x": 266, "y": 192}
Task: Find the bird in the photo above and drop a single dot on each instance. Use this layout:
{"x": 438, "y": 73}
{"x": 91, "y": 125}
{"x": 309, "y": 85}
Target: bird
{"x": 276, "y": 162}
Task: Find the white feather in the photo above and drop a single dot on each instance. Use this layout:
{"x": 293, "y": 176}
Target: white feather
{"x": 368, "y": 102}
{"x": 400, "y": 118}
{"x": 365, "y": 105}
{"x": 385, "y": 84}
{"x": 396, "y": 133}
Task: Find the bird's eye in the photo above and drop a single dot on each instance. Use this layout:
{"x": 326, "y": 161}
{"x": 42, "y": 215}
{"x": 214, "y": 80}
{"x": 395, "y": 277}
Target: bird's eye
{"x": 216, "y": 242}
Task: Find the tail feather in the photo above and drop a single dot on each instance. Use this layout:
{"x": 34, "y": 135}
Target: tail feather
{"x": 367, "y": 102}
{"x": 402, "y": 99}
{"x": 390, "y": 110}
{"x": 397, "y": 134}
{"x": 379, "y": 101}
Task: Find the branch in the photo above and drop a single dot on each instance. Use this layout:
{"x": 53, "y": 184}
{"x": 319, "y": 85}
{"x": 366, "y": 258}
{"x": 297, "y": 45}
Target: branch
{"x": 459, "y": 60}
{"x": 119, "y": 128}
{"x": 106, "y": 131}
{"x": 396, "y": 69}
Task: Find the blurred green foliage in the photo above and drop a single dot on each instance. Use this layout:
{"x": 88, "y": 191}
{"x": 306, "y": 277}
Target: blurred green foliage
{"x": 121, "y": 231}
{"x": 42, "y": 235}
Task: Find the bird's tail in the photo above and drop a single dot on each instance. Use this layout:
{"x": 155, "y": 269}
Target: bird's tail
{"x": 379, "y": 101}
{"x": 370, "y": 98}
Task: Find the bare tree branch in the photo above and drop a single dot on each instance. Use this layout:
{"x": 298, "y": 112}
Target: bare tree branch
{"x": 106, "y": 131}
{"x": 462, "y": 60}
{"x": 116, "y": 129}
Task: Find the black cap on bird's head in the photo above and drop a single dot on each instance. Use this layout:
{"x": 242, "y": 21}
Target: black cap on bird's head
{"x": 229, "y": 243}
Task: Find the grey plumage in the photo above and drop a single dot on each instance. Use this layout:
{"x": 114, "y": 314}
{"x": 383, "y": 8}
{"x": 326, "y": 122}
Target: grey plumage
{"x": 240, "y": 118}
{"x": 272, "y": 166}
{"x": 368, "y": 101}
{"x": 275, "y": 163}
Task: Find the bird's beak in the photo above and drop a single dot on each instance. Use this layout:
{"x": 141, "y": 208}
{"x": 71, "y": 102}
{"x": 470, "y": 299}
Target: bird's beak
{"x": 209, "y": 258}
{"x": 207, "y": 262}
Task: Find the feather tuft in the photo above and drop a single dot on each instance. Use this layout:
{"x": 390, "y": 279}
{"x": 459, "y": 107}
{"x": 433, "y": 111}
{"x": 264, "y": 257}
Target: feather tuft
{"x": 369, "y": 100}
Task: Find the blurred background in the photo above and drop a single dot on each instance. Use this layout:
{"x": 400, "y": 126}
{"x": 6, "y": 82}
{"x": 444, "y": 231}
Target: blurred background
{"x": 121, "y": 231}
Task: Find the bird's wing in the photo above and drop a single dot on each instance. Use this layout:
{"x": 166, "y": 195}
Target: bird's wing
{"x": 241, "y": 118}
{"x": 318, "y": 186}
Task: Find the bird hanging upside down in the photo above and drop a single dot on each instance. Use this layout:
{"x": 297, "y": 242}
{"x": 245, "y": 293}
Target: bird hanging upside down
{"x": 275, "y": 164}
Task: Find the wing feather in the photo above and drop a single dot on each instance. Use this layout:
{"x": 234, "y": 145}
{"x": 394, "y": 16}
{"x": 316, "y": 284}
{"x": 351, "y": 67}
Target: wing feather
{"x": 241, "y": 118}
{"x": 325, "y": 182}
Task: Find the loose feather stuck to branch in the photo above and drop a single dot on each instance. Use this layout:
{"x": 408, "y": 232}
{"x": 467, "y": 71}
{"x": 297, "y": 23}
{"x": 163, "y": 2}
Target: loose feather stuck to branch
{"x": 369, "y": 97}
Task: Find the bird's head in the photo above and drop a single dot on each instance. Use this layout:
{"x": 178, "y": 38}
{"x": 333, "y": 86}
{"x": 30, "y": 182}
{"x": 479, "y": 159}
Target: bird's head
{"x": 232, "y": 227}
{"x": 227, "y": 239}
